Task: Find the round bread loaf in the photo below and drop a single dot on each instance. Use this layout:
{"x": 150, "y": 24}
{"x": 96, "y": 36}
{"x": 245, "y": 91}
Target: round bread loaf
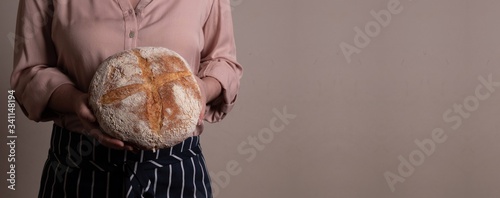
{"x": 147, "y": 96}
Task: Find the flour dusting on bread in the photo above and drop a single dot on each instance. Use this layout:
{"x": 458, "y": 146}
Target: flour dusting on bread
{"x": 147, "y": 96}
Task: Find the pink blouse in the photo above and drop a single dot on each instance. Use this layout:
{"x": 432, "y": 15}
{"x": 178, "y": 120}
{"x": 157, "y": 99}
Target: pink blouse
{"x": 63, "y": 42}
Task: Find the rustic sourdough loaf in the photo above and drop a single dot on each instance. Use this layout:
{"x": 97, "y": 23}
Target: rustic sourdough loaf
{"x": 147, "y": 96}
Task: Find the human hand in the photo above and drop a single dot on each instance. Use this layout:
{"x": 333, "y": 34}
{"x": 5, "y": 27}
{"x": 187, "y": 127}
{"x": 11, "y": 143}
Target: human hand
{"x": 87, "y": 118}
{"x": 202, "y": 85}
{"x": 210, "y": 90}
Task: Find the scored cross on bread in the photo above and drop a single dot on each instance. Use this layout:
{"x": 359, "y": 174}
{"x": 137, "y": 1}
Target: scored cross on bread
{"x": 147, "y": 96}
{"x": 154, "y": 107}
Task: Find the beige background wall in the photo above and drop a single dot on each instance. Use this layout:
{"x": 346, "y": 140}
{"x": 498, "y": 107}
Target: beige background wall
{"x": 353, "y": 121}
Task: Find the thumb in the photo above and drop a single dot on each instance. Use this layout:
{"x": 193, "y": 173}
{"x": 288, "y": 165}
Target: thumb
{"x": 202, "y": 88}
{"x": 83, "y": 110}
{"x": 86, "y": 114}
{"x": 202, "y": 115}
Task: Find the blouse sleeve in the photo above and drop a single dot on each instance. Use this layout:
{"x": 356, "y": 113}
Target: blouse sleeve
{"x": 218, "y": 59}
{"x": 35, "y": 75}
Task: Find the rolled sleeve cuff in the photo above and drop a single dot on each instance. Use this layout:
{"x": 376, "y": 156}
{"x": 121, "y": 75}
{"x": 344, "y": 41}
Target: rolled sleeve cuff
{"x": 222, "y": 71}
{"x": 35, "y": 97}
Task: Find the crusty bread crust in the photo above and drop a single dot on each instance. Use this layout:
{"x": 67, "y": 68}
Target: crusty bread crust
{"x": 147, "y": 96}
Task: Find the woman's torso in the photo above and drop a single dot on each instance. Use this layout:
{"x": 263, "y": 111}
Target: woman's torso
{"x": 85, "y": 33}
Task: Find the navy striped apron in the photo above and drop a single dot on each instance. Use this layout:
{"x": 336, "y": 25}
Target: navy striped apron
{"x": 78, "y": 167}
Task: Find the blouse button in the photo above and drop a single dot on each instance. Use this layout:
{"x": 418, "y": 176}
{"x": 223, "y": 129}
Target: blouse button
{"x": 131, "y": 34}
